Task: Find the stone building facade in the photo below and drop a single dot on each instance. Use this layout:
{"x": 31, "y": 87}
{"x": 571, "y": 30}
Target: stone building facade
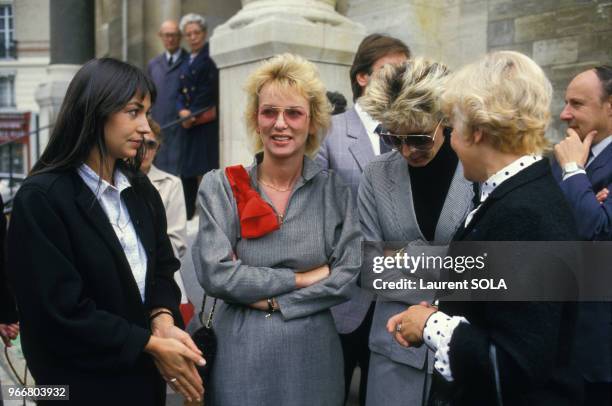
{"x": 563, "y": 36}
{"x": 25, "y": 55}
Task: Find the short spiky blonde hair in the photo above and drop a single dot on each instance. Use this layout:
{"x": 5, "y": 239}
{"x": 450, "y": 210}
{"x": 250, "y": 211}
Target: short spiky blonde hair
{"x": 507, "y": 96}
{"x": 406, "y": 95}
{"x": 287, "y": 71}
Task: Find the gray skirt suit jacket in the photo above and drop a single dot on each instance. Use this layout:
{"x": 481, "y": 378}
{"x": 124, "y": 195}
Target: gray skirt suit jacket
{"x": 397, "y": 374}
{"x": 294, "y": 356}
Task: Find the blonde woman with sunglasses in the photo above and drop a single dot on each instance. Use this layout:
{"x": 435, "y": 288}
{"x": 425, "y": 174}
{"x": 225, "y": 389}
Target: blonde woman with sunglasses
{"x": 416, "y": 193}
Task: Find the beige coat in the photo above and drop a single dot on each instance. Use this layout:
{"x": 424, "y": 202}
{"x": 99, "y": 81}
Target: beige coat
{"x": 170, "y": 189}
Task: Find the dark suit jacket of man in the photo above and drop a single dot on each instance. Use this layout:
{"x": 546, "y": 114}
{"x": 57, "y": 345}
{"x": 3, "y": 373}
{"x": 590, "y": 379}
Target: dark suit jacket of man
{"x": 594, "y": 327}
{"x": 166, "y": 79}
{"x": 83, "y": 322}
{"x": 199, "y": 88}
{"x": 594, "y": 219}
{"x": 533, "y": 339}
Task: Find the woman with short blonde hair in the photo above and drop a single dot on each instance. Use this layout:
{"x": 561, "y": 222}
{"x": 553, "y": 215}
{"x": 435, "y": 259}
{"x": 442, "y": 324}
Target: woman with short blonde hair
{"x": 289, "y": 72}
{"x": 487, "y": 351}
{"x": 507, "y": 96}
{"x": 279, "y": 244}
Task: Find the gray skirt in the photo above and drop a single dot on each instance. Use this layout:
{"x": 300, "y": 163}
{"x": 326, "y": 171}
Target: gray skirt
{"x": 269, "y": 361}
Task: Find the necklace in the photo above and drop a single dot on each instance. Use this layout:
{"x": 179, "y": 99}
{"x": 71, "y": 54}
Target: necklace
{"x": 276, "y": 188}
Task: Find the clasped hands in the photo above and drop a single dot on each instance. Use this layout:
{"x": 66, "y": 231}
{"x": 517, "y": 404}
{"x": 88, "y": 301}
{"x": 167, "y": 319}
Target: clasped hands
{"x": 176, "y": 356}
{"x": 407, "y": 327}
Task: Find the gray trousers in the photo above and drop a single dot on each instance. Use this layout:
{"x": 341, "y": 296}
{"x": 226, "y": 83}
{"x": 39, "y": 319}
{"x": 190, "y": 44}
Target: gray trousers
{"x": 392, "y": 383}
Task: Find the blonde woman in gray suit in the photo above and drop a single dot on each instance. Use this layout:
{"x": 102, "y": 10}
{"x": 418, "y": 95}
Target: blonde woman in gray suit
{"x": 418, "y": 194}
{"x": 278, "y": 344}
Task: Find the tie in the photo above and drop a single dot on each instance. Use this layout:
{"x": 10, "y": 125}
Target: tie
{"x": 384, "y": 148}
{"x": 590, "y": 158}
{"x": 170, "y": 60}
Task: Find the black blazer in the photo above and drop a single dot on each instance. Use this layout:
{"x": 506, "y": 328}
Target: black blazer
{"x": 83, "y": 322}
{"x": 533, "y": 339}
{"x": 8, "y": 311}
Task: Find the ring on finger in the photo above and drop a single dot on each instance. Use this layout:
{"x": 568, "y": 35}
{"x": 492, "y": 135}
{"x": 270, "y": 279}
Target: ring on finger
{"x": 398, "y": 327}
{"x": 172, "y": 380}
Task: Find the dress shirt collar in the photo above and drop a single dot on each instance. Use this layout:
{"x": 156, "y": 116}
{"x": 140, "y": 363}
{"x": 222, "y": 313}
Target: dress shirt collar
{"x": 599, "y": 147}
{"x": 368, "y": 122}
{"x": 506, "y": 173}
{"x": 157, "y": 175}
{"x": 498, "y": 178}
{"x": 175, "y": 56}
{"x": 370, "y": 125}
{"x": 97, "y": 186}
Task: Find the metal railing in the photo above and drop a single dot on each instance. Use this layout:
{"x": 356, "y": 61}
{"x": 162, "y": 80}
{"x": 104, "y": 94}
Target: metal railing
{"x": 15, "y": 179}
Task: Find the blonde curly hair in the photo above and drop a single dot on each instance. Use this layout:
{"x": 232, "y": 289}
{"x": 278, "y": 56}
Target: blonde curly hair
{"x": 507, "y": 96}
{"x": 406, "y": 95}
{"x": 289, "y": 72}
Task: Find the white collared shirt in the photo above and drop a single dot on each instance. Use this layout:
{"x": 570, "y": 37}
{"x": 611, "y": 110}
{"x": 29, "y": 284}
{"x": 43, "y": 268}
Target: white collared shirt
{"x": 109, "y": 197}
{"x": 175, "y": 56}
{"x": 370, "y": 125}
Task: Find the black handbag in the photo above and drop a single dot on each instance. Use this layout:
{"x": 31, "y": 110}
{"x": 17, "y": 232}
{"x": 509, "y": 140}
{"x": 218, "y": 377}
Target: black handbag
{"x": 206, "y": 340}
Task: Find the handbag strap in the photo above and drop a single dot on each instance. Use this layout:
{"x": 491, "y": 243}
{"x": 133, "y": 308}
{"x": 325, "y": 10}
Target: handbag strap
{"x": 208, "y": 323}
{"x": 495, "y": 367}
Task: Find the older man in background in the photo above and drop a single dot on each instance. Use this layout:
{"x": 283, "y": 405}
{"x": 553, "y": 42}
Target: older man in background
{"x": 164, "y": 69}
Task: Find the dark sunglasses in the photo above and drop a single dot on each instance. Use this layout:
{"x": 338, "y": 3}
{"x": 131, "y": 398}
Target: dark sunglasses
{"x": 151, "y": 144}
{"x": 421, "y": 142}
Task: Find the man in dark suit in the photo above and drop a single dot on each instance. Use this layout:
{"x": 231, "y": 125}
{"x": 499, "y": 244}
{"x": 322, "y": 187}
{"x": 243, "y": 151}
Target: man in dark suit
{"x": 348, "y": 147}
{"x": 164, "y": 69}
{"x": 584, "y": 173}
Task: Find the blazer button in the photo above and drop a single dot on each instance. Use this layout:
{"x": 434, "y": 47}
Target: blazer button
{"x": 185, "y": 90}
{"x": 193, "y": 72}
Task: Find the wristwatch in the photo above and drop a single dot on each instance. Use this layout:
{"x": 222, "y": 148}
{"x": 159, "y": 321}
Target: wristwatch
{"x": 571, "y": 167}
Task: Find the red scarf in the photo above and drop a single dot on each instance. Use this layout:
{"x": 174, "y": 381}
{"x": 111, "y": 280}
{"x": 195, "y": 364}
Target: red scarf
{"x": 257, "y": 218}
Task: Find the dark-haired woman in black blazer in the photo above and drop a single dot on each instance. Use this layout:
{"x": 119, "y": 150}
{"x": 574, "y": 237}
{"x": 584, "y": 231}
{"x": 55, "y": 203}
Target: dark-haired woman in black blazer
{"x": 89, "y": 257}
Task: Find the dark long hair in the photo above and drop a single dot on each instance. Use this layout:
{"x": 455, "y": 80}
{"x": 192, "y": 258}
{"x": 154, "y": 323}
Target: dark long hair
{"x": 100, "y": 88}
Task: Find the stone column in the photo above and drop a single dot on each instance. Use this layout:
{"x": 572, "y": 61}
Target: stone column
{"x": 263, "y": 28}
{"x": 156, "y": 12}
{"x": 72, "y": 44}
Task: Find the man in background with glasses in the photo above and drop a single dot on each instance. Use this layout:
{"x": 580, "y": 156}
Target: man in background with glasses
{"x": 418, "y": 194}
{"x": 347, "y": 148}
{"x": 164, "y": 70}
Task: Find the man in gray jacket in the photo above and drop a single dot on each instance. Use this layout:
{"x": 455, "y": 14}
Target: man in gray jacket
{"x": 348, "y": 147}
